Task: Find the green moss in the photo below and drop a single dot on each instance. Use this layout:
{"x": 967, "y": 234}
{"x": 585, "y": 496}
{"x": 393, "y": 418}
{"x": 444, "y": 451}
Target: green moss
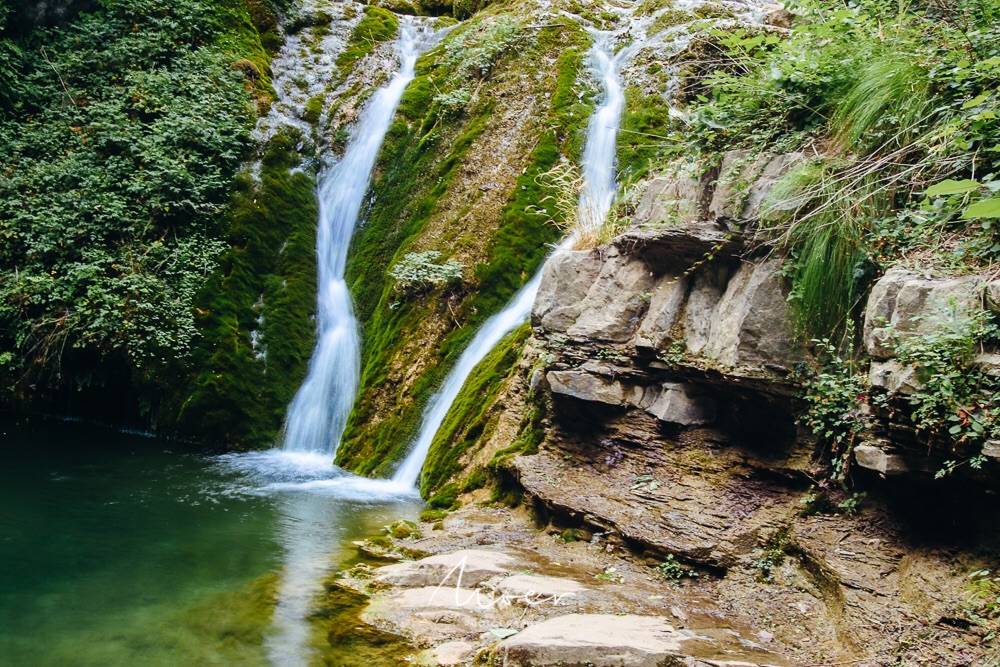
{"x": 477, "y": 479}
{"x": 446, "y": 498}
{"x": 313, "y": 109}
{"x": 642, "y": 142}
{"x": 469, "y": 415}
{"x": 713, "y": 11}
{"x": 380, "y": 541}
{"x": 265, "y": 284}
{"x": 378, "y": 25}
{"x": 347, "y": 640}
{"x": 670, "y": 19}
{"x": 432, "y": 516}
{"x": 403, "y": 530}
{"x": 530, "y": 435}
{"x": 249, "y": 34}
{"x": 417, "y": 165}
{"x": 650, "y": 7}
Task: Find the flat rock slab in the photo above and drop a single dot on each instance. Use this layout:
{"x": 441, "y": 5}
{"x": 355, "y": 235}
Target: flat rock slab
{"x": 451, "y": 654}
{"x": 533, "y": 590}
{"x": 442, "y": 597}
{"x": 605, "y": 640}
{"x": 461, "y": 568}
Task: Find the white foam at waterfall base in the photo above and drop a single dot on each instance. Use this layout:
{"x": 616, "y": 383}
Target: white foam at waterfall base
{"x": 319, "y": 411}
{"x": 596, "y": 197}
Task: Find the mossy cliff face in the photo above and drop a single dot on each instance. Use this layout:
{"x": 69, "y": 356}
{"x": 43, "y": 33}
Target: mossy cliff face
{"x": 255, "y": 315}
{"x": 255, "y": 312}
{"x": 460, "y": 181}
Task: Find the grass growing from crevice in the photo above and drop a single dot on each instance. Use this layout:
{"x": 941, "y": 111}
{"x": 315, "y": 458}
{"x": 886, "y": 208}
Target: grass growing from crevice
{"x": 265, "y": 284}
{"x": 424, "y": 151}
{"x": 468, "y": 419}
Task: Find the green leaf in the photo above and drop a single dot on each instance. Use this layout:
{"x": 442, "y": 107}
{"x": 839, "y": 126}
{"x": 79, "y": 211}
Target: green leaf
{"x": 976, "y": 101}
{"x": 950, "y": 187}
{"x": 988, "y": 208}
{"x": 503, "y": 633}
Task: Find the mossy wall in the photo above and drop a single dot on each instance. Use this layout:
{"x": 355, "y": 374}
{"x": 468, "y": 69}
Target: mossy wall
{"x": 255, "y": 312}
{"x": 410, "y": 343}
{"x": 469, "y": 417}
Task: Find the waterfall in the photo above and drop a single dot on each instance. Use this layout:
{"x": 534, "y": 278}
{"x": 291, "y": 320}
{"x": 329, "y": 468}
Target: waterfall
{"x": 600, "y": 151}
{"x": 319, "y": 411}
{"x": 486, "y": 338}
{"x": 596, "y": 197}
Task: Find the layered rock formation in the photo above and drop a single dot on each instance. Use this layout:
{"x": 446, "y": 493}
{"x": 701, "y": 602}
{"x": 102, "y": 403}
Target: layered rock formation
{"x": 670, "y": 372}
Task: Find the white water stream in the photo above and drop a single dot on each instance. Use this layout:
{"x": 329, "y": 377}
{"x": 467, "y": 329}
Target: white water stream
{"x": 315, "y": 498}
{"x": 596, "y": 197}
{"x": 319, "y": 411}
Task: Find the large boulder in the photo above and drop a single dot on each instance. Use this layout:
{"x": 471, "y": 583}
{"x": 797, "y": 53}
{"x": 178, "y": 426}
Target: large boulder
{"x": 904, "y": 302}
{"x": 605, "y": 640}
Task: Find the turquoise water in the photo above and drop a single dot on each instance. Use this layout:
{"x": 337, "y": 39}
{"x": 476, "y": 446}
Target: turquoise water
{"x": 123, "y": 550}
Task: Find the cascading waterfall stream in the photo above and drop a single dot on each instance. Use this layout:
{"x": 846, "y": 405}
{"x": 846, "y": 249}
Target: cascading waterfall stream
{"x": 319, "y": 411}
{"x": 596, "y": 197}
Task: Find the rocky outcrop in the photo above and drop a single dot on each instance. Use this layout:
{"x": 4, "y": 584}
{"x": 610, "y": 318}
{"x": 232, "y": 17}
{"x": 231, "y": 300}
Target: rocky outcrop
{"x": 903, "y": 302}
{"x": 646, "y": 322}
{"x": 540, "y": 601}
{"x": 670, "y": 371}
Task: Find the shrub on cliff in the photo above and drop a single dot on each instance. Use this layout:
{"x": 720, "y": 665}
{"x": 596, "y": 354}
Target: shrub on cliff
{"x": 421, "y": 270}
{"x": 122, "y": 132}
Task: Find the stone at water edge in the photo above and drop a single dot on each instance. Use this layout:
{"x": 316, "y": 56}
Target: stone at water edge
{"x": 604, "y": 640}
{"x": 467, "y": 567}
{"x": 531, "y": 589}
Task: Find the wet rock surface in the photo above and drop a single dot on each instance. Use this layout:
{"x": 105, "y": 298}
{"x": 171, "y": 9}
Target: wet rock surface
{"x": 555, "y": 602}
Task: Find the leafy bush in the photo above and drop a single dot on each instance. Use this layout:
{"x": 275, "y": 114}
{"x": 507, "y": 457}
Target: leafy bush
{"x": 475, "y": 55}
{"x": 453, "y": 102}
{"x": 122, "y": 133}
{"x": 957, "y": 402}
{"x": 671, "y": 570}
{"x": 419, "y": 270}
{"x": 835, "y": 396}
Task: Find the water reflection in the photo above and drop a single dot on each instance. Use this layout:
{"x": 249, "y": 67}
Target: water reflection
{"x": 321, "y": 508}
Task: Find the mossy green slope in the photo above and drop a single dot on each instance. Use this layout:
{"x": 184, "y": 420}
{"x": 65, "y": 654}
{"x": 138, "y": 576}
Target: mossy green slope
{"x": 467, "y": 420}
{"x": 264, "y": 290}
{"x": 409, "y": 344}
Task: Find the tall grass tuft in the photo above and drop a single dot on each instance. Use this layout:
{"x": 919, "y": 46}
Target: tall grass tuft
{"x": 563, "y": 208}
{"x": 824, "y": 209}
{"x": 886, "y": 108}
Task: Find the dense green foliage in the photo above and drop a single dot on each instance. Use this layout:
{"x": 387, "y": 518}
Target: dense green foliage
{"x": 255, "y": 311}
{"x": 421, "y": 270}
{"x": 894, "y": 98}
{"x": 956, "y": 401}
{"x": 835, "y": 394}
{"x": 121, "y": 133}
{"x": 416, "y": 168}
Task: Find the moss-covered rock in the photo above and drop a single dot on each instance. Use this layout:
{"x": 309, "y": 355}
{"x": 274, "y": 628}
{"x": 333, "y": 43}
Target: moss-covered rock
{"x": 465, "y": 186}
{"x": 264, "y": 290}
